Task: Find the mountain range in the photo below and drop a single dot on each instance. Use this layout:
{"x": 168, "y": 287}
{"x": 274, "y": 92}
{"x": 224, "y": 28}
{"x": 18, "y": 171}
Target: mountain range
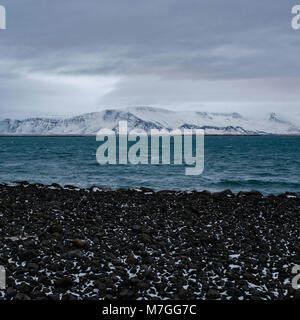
{"x": 215, "y": 123}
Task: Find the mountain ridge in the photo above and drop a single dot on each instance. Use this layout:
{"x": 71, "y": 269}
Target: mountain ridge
{"x": 146, "y": 118}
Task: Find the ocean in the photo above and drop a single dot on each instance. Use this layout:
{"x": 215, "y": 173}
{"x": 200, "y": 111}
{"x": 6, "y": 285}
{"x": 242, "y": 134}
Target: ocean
{"x": 270, "y": 164}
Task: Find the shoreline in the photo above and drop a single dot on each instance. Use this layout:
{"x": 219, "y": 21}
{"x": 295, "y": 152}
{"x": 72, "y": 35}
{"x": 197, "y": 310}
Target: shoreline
{"x": 71, "y": 243}
{"x": 142, "y": 189}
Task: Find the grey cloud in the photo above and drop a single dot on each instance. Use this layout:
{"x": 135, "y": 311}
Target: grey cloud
{"x": 208, "y": 53}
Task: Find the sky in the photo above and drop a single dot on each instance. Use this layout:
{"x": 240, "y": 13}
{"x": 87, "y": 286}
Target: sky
{"x": 63, "y": 58}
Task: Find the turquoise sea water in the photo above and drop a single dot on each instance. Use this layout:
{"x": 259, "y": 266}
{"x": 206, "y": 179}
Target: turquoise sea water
{"x": 270, "y": 164}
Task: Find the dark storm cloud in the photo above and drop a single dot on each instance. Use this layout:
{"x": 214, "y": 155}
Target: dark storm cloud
{"x": 189, "y": 47}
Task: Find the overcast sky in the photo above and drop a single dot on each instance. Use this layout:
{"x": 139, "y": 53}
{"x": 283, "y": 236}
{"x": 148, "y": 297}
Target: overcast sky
{"x": 68, "y": 57}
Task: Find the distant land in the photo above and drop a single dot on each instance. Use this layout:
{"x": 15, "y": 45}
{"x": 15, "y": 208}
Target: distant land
{"x": 147, "y": 118}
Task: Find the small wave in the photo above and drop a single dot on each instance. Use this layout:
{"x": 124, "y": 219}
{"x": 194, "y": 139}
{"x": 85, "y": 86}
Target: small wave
{"x": 259, "y": 183}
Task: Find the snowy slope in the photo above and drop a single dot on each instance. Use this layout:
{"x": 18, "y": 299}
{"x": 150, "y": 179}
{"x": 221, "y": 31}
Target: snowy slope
{"x": 147, "y": 118}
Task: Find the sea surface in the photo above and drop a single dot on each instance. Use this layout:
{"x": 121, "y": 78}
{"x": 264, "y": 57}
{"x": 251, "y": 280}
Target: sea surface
{"x": 270, "y": 164}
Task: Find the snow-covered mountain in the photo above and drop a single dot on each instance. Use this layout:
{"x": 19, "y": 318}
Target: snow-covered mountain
{"x": 152, "y": 118}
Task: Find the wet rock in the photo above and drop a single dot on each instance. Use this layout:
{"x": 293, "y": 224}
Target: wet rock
{"x": 223, "y": 194}
{"x": 145, "y": 238}
{"x": 131, "y": 260}
{"x": 126, "y": 294}
{"x": 64, "y": 283}
{"x": 137, "y": 227}
{"x": 212, "y": 294}
{"x": 56, "y": 228}
{"x": 32, "y": 266}
{"x": 130, "y": 244}
{"x": 78, "y": 243}
{"x": 22, "y": 296}
{"x": 146, "y": 190}
{"x": 11, "y": 292}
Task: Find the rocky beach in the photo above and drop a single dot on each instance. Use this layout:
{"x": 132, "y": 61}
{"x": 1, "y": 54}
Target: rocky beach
{"x": 66, "y": 243}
